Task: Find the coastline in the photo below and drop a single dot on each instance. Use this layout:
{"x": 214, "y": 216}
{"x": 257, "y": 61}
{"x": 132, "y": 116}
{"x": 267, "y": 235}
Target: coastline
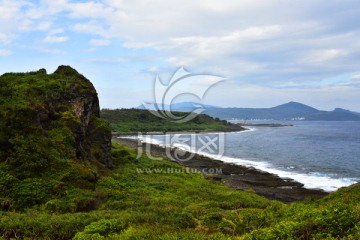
{"x": 234, "y": 128}
{"x": 265, "y": 124}
{"x": 239, "y": 177}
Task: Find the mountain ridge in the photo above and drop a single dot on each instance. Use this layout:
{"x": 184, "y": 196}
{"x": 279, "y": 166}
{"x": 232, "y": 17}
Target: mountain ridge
{"x": 287, "y": 111}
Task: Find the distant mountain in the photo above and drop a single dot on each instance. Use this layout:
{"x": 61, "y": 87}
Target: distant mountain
{"x": 341, "y": 110}
{"x": 338, "y": 114}
{"x": 287, "y": 111}
{"x": 294, "y": 107}
{"x": 333, "y": 116}
{"x": 345, "y": 110}
{"x": 178, "y": 107}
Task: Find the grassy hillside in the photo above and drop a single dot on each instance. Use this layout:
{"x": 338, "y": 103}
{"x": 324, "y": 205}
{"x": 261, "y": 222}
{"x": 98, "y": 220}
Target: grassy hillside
{"x": 133, "y": 203}
{"x": 135, "y": 120}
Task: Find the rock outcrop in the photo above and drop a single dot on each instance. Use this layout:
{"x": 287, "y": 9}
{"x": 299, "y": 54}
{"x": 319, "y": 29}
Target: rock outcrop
{"x": 78, "y": 97}
{"x": 84, "y": 105}
{"x": 52, "y": 139}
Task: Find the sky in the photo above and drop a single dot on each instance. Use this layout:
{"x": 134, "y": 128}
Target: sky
{"x": 269, "y": 51}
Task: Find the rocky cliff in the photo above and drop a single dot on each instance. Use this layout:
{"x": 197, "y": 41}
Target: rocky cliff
{"x": 51, "y": 135}
{"x": 83, "y": 102}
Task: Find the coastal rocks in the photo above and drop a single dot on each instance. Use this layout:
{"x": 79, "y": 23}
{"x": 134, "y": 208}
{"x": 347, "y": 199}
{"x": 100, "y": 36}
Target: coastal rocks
{"x": 243, "y": 178}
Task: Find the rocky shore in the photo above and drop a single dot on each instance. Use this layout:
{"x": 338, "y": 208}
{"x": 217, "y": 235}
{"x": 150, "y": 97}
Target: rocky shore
{"x": 265, "y": 124}
{"x": 239, "y": 177}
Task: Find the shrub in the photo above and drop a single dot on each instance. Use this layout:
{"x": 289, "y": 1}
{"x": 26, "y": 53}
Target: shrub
{"x": 101, "y": 229}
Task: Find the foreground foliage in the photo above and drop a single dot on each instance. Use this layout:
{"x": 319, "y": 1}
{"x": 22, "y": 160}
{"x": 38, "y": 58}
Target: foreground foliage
{"x": 179, "y": 205}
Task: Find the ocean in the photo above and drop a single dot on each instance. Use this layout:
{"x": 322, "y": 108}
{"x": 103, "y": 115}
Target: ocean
{"x": 321, "y": 155}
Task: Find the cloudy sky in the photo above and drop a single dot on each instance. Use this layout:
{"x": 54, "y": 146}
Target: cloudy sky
{"x": 269, "y": 51}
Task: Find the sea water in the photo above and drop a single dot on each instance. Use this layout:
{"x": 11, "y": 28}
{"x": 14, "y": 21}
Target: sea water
{"x": 323, "y": 155}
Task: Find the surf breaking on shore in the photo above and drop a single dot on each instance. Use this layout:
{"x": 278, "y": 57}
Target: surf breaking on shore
{"x": 313, "y": 180}
{"x": 236, "y": 176}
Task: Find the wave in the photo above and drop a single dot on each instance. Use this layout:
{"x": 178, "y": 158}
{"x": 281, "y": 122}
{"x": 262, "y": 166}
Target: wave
{"x": 313, "y": 180}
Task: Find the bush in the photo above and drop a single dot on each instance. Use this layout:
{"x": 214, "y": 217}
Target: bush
{"x": 101, "y": 229}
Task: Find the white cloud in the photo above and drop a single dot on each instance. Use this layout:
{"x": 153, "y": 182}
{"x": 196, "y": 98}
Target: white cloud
{"x": 4, "y": 52}
{"x": 10, "y": 19}
{"x": 56, "y": 31}
{"x": 153, "y": 69}
{"x": 89, "y": 9}
{"x": 324, "y": 56}
{"x": 92, "y": 27}
{"x": 43, "y": 26}
{"x": 254, "y": 40}
{"x": 55, "y": 39}
{"x": 4, "y": 38}
{"x": 17, "y": 17}
{"x": 100, "y": 42}
{"x": 356, "y": 76}
{"x": 265, "y": 43}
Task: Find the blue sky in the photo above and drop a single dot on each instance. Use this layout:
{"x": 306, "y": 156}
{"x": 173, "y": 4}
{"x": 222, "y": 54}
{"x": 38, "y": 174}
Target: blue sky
{"x": 270, "y": 52}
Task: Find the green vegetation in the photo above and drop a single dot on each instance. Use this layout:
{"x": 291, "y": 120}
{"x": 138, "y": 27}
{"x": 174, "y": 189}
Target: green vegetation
{"x": 54, "y": 183}
{"x": 135, "y": 120}
{"x": 41, "y": 130}
{"x": 181, "y": 205}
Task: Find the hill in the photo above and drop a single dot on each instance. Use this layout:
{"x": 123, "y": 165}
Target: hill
{"x": 288, "y": 111}
{"x": 52, "y": 139}
{"x": 136, "y": 120}
{"x": 138, "y": 203}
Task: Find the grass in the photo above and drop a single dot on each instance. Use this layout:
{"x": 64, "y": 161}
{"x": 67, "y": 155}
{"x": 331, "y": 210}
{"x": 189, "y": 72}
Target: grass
{"x": 179, "y": 205}
{"x": 132, "y": 205}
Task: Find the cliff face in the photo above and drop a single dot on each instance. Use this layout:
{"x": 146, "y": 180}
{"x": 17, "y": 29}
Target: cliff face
{"x": 79, "y": 98}
{"x": 84, "y": 105}
{"x": 51, "y": 134}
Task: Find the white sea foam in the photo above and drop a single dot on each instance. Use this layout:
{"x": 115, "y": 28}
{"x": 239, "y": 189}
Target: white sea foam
{"x": 310, "y": 180}
{"x": 147, "y": 139}
{"x": 248, "y": 129}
